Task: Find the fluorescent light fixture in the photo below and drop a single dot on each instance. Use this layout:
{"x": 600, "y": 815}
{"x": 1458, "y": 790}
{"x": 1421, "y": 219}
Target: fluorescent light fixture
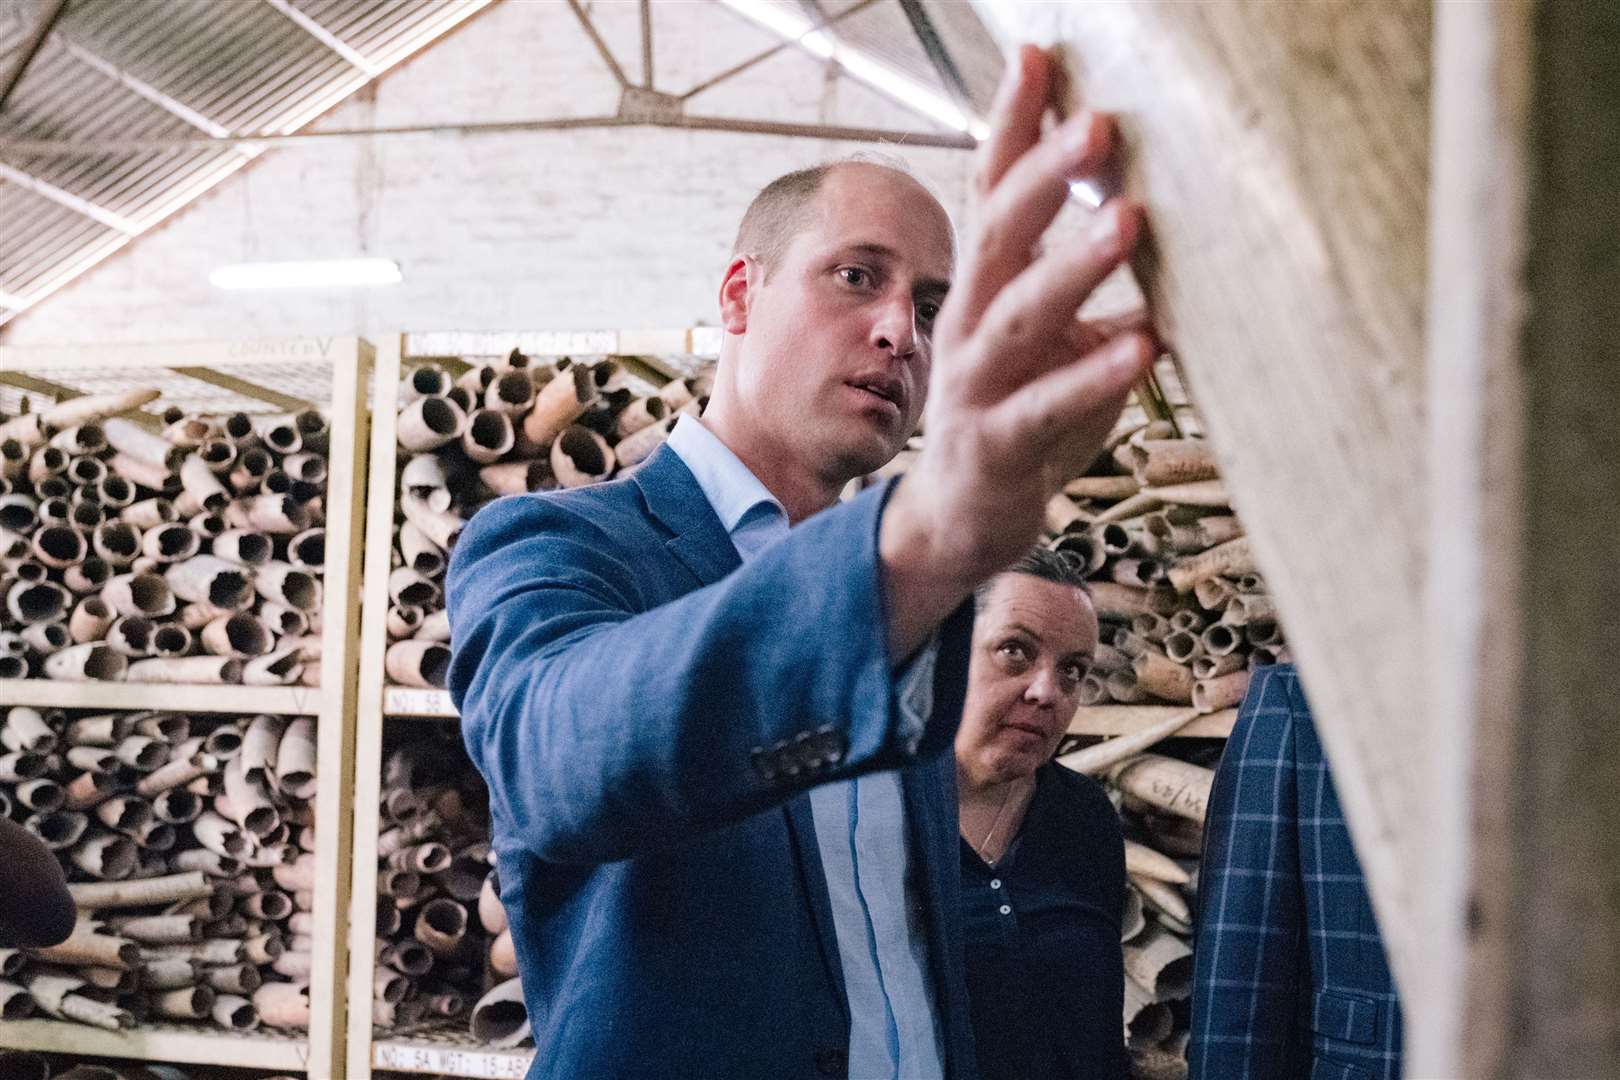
{"x": 790, "y": 24}
{"x": 307, "y": 274}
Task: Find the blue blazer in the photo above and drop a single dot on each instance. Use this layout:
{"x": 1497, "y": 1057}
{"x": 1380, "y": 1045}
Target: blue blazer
{"x": 649, "y": 717}
{"x": 1290, "y": 979}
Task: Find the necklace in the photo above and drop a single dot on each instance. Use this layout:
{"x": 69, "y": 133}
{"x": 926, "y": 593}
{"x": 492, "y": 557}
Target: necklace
{"x": 983, "y": 846}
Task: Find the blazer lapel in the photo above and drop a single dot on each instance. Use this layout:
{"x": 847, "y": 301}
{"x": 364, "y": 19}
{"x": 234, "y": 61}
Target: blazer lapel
{"x": 674, "y": 497}
{"x": 702, "y": 544}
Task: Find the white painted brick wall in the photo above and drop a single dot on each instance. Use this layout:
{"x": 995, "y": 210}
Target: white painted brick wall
{"x": 624, "y": 228}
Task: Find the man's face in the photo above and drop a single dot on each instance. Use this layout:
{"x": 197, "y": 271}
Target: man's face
{"x": 834, "y": 363}
{"x": 1033, "y": 641}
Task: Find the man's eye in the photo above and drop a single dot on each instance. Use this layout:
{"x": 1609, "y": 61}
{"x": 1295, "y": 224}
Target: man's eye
{"x": 927, "y": 312}
{"x": 855, "y": 275}
{"x": 1074, "y": 674}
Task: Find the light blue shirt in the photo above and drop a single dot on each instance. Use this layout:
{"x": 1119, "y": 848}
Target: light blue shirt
{"x": 860, "y": 824}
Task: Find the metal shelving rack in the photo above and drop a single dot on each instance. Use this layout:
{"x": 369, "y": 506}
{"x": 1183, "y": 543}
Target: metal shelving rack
{"x": 220, "y": 377}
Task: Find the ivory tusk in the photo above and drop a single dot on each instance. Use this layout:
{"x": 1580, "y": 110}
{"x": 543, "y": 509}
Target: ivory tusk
{"x": 83, "y": 662}
{"x": 295, "y": 760}
{"x": 1097, "y": 760}
{"x": 282, "y": 1005}
{"x": 1143, "y": 861}
{"x": 635, "y": 448}
{"x": 430, "y": 422}
{"x": 209, "y": 580}
{"x": 1221, "y": 692}
{"x": 418, "y": 663}
{"x": 500, "y": 1018}
{"x": 1174, "y": 786}
{"x": 441, "y": 925}
{"x": 92, "y": 407}
{"x": 242, "y": 635}
{"x": 562, "y": 401}
{"x": 580, "y": 456}
{"x": 186, "y": 669}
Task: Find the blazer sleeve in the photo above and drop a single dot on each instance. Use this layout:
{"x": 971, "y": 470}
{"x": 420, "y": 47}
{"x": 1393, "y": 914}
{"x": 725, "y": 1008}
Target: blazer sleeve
{"x": 606, "y": 725}
{"x": 1250, "y": 957}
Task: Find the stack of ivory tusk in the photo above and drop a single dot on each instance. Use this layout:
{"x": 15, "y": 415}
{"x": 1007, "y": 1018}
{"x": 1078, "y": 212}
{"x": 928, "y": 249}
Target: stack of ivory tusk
{"x": 188, "y": 843}
{"x": 443, "y": 949}
{"x": 1185, "y": 614}
{"x": 190, "y": 556}
{"x": 1184, "y": 618}
{"x": 501, "y": 429}
{"x": 1162, "y": 801}
{"x": 27, "y": 1065}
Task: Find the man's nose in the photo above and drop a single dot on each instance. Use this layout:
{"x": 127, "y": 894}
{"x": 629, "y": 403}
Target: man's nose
{"x": 895, "y": 327}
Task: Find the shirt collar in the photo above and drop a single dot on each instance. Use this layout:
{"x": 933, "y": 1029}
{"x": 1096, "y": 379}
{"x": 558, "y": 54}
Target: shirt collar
{"x": 732, "y": 490}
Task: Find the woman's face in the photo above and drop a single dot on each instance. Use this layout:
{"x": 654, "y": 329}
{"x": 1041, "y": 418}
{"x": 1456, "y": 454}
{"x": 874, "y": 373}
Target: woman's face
{"x": 1033, "y": 641}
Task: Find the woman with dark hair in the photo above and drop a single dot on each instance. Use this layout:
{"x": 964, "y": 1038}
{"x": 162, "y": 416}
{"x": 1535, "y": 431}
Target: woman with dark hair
{"x": 1043, "y": 860}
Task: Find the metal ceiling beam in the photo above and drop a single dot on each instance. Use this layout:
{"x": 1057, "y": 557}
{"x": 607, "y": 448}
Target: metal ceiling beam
{"x": 30, "y": 47}
{"x": 938, "y": 55}
{"x": 33, "y": 384}
{"x": 46, "y": 190}
{"x": 602, "y": 49}
{"x": 245, "y": 388}
{"x": 83, "y": 147}
{"x": 321, "y": 34}
{"x": 738, "y": 69}
{"x": 646, "y": 45}
{"x": 953, "y": 141}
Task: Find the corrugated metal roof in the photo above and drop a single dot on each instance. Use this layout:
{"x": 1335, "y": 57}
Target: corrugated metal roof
{"x": 132, "y": 69}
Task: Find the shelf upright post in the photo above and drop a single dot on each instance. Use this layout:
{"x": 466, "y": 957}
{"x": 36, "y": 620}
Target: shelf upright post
{"x": 367, "y": 787}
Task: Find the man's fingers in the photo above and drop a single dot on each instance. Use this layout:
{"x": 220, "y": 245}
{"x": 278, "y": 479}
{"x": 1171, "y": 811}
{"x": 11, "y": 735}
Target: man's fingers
{"x": 1013, "y": 216}
{"x": 1086, "y": 334}
{"x": 1015, "y": 118}
{"x": 1031, "y": 320}
{"x": 1077, "y": 404}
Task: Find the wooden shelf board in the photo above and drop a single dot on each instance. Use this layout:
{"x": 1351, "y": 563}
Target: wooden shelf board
{"x": 188, "y": 1044}
{"x": 167, "y": 697}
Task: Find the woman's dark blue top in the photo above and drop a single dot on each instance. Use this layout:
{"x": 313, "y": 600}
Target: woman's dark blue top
{"x": 1045, "y": 973}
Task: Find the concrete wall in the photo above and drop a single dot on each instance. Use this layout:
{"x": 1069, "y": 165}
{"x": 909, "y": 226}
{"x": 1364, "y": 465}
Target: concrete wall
{"x": 607, "y": 229}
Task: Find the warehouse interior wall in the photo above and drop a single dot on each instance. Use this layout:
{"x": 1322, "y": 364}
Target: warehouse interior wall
{"x": 577, "y": 230}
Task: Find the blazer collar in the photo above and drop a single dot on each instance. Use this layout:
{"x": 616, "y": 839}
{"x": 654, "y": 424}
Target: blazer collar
{"x": 675, "y": 498}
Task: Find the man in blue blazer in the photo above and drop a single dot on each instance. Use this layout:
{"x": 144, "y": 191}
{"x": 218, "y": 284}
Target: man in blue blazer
{"x": 1290, "y": 979}
{"x": 712, "y": 707}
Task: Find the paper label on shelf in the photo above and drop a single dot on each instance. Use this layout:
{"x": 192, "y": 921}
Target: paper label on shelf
{"x": 414, "y": 701}
{"x": 496, "y": 1064}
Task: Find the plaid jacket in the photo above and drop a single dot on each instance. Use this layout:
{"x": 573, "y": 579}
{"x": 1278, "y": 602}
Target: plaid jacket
{"x": 1290, "y": 980}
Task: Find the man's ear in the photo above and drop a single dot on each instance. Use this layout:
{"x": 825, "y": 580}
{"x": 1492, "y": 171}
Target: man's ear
{"x": 741, "y": 275}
